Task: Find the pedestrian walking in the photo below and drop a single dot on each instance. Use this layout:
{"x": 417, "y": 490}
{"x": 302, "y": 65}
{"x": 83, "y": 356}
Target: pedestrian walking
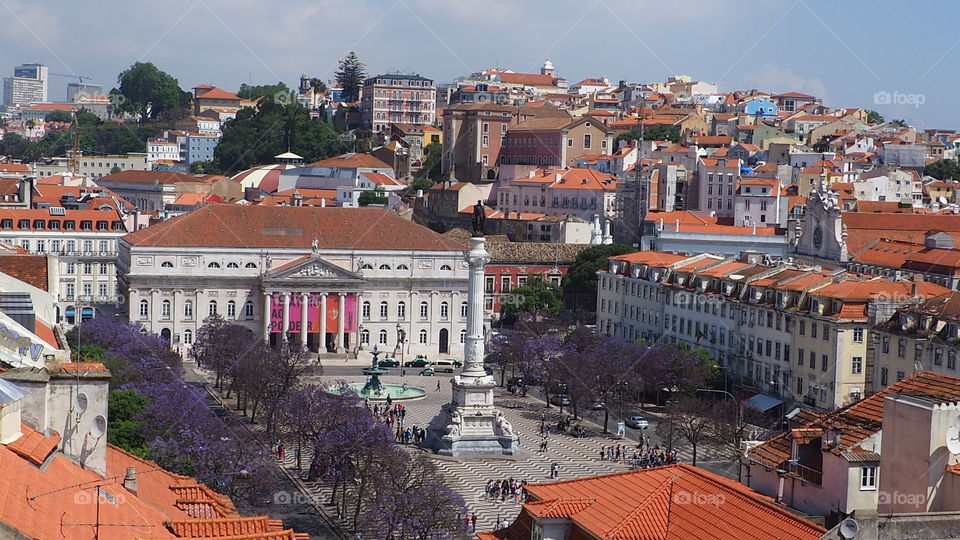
{"x": 497, "y": 526}
{"x": 438, "y": 386}
{"x": 466, "y": 521}
{"x": 473, "y": 521}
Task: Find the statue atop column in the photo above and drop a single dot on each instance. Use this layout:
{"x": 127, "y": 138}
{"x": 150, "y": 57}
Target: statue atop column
{"x": 479, "y": 218}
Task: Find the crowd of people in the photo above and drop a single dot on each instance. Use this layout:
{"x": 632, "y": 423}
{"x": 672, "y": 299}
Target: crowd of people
{"x": 394, "y": 416}
{"x": 507, "y": 490}
{"x": 643, "y": 457}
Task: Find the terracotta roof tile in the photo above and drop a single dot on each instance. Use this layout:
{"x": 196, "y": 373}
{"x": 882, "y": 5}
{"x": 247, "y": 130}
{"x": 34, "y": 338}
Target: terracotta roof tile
{"x": 33, "y": 445}
{"x": 352, "y": 161}
{"x": 30, "y": 269}
{"x": 229, "y": 225}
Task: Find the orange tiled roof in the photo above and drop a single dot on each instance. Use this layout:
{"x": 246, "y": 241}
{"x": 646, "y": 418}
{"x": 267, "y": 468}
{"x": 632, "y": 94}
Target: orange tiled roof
{"x": 863, "y": 228}
{"x": 650, "y": 258}
{"x": 352, "y": 161}
{"x": 670, "y": 503}
{"x": 30, "y": 269}
{"x": 217, "y": 93}
{"x": 34, "y": 445}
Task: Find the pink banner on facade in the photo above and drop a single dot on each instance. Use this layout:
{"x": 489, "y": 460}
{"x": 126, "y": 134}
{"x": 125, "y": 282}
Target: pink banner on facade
{"x": 350, "y": 311}
{"x": 313, "y": 313}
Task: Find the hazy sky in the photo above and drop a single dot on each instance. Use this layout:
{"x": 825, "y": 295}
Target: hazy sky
{"x": 843, "y": 51}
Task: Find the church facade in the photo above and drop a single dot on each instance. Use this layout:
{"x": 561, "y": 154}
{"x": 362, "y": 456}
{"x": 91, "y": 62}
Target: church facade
{"x": 329, "y": 279}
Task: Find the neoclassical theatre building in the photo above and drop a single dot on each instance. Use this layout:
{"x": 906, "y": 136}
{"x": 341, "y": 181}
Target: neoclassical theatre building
{"x": 334, "y": 279}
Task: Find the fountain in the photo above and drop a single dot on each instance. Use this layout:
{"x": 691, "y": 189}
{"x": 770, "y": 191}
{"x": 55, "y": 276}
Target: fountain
{"x": 375, "y": 390}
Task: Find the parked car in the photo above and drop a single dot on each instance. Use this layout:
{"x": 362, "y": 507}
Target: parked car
{"x": 389, "y": 362}
{"x": 447, "y": 365}
{"x": 597, "y": 405}
{"x": 637, "y": 422}
{"x": 427, "y": 372}
{"x": 560, "y": 399}
{"x": 417, "y": 362}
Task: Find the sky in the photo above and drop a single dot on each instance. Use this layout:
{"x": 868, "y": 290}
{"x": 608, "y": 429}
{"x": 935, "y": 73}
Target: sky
{"x": 897, "y": 58}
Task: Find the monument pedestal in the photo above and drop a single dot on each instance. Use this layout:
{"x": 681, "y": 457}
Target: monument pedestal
{"x": 469, "y": 425}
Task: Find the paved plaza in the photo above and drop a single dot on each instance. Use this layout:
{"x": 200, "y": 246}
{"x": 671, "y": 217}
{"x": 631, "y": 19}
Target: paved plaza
{"x": 576, "y": 457}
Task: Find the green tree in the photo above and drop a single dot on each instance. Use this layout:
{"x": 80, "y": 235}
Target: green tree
{"x": 873, "y": 117}
{"x": 432, "y": 156}
{"x": 537, "y": 296}
{"x": 115, "y": 169}
{"x": 898, "y": 122}
{"x": 655, "y": 133}
{"x": 372, "y": 196}
{"x": 148, "y": 92}
{"x": 124, "y": 408}
{"x": 318, "y": 85}
{"x": 203, "y": 167}
{"x": 419, "y": 183}
{"x": 258, "y": 134}
{"x": 582, "y": 276}
{"x": 278, "y": 92}
{"x": 350, "y": 76}
{"x": 59, "y": 116}
{"x": 943, "y": 169}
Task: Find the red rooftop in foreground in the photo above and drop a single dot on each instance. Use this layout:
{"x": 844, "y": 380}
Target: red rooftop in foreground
{"x": 677, "y": 502}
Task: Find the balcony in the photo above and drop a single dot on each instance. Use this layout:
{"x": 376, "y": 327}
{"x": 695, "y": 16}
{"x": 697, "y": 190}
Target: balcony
{"x": 804, "y": 473}
{"x": 88, "y": 254}
{"x": 87, "y": 299}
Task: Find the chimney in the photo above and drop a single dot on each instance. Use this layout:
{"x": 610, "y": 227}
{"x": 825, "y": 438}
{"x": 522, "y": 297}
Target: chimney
{"x": 677, "y": 229}
{"x": 130, "y": 480}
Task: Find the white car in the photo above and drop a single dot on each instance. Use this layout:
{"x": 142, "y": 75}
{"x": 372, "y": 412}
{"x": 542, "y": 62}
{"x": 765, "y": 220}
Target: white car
{"x": 637, "y": 422}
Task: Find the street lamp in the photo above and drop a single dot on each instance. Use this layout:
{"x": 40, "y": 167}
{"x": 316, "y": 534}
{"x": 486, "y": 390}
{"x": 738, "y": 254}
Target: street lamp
{"x": 401, "y": 339}
{"x": 739, "y": 419}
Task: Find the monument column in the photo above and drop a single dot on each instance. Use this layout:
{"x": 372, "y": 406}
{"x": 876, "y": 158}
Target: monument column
{"x": 286, "y": 316}
{"x": 323, "y": 322}
{"x": 341, "y": 319}
{"x": 304, "y": 323}
{"x": 266, "y": 315}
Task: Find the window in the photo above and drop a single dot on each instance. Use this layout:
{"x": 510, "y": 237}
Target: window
{"x": 885, "y": 345}
{"x": 884, "y": 376}
{"x": 384, "y": 267}
{"x": 858, "y": 335}
{"x": 902, "y": 348}
{"x": 826, "y": 332}
{"x": 803, "y": 328}
{"x": 233, "y": 265}
{"x": 868, "y": 477}
{"x": 823, "y": 363}
{"x": 813, "y": 330}
{"x": 188, "y": 309}
{"x": 383, "y": 337}
{"x": 444, "y": 310}
{"x": 951, "y": 360}
{"x": 231, "y": 310}
{"x": 188, "y": 337}
{"x": 504, "y": 284}
{"x": 463, "y": 310}
{"x": 70, "y": 290}
{"x": 213, "y": 265}
{"x": 586, "y": 140}
{"x": 103, "y": 268}
{"x": 248, "y": 310}
{"x": 383, "y": 310}
{"x": 250, "y": 265}
{"x": 463, "y": 336}
{"x": 402, "y": 267}
{"x": 365, "y": 311}
{"x": 71, "y": 268}
{"x": 365, "y": 337}
{"x": 144, "y": 309}
{"x": 166, "y": 264}
{"x": 445, "y": 268}
{"x": 424, "y": 311}
{"x": 856, "y": 365}
{"x": 401, "y": 310}
{"x": 212, "y": 308}
{"x": 165, "y": 309}
{"x": 423, "y": 337}
{"x": 102, "y": 289}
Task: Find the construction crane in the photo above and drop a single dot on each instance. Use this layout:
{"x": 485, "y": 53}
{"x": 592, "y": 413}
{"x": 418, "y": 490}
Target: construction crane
{"x": 81, "y": 78}
{"x": 73, "y": 156}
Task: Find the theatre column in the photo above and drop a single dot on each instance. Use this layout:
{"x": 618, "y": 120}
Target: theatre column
{"x": 304, "y": 323}
{"x": 341, "y": 318}
{"x": 323, "y": 322}
{"x": 266, "y": 315}
{"x": 286, "y": 316}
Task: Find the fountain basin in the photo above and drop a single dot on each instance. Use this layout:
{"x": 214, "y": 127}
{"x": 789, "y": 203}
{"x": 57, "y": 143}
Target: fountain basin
{"x": 395, "y": 391}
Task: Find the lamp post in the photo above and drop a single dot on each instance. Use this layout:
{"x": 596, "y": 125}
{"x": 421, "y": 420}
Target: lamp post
{"x": 401, "y": 339}
{"x": 739, "y": 420}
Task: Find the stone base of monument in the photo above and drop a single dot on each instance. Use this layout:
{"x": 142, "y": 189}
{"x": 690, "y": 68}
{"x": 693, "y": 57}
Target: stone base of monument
{"x": 460, "y": 432}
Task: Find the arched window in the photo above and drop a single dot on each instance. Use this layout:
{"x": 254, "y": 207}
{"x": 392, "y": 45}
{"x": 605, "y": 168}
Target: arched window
{"x": 365, "y": 311}
{"x": 446, "y": 268}
{"x": 165, "y": 309}
{"x": 188, "y": 337}
{"x": 213, "y": 265}
{"x": 188, "y": 309}
{"x": 144, "y": 309}
{"x": 233, "y": 265}
{"x": 248, "y": 310}
{"x": 463, "y": 310}
{"x": 384, "y": 267}
{"x": 365, "y": 337}
{"x": 383, "y": 310}
{"x": 423, "y": 337}
{"x": 383, "y": 337}
{"x": 444, "y": 310}
{"x": 401, "y": 310}
{"x": 424, "y": 310}
{"x": 402, "y": 267}
{"x": 366, "y": 267}
{"x": 463, "y": 336}
{"x": 166, "y": 264}
{"x": 212, "y": 309}
{"x": 250, "y": 265}
{"x": 231, "y": 310}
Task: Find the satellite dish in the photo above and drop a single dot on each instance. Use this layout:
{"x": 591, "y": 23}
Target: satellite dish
{"x": 849, "y": 528}
{"x": 953, "y": 440}
{"x": 942, "y": 199}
